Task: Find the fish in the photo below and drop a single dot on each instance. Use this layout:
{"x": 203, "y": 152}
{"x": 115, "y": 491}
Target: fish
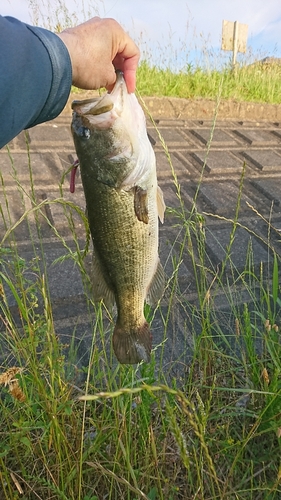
{"x": 124, "y": 204}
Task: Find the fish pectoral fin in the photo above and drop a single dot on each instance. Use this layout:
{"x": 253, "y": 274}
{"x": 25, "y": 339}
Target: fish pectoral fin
{"x": 160, "y": 204}
{"x": 156, "y": 287}
{"x": 100, "y": 288}
{"x": 141, "y": 204}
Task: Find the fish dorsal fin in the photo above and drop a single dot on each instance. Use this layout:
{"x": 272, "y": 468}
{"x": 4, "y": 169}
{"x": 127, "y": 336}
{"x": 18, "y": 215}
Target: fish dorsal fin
{"x": 100, "y": 288}
{"x": 156, "y": 287}
{"x": 160, "y": 204}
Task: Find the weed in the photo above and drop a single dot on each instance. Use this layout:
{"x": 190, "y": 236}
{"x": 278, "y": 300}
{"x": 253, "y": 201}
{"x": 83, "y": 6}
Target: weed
{"x": 96, "y": 429}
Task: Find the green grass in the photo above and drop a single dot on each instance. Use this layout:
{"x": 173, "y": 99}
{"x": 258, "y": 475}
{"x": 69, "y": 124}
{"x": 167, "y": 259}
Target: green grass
{"x": 137, "y": 432}
{"x": 258, "y": 83}
{"x": 200, "y": 76}
{"x": 255, "y": 83}
{"x": 115, "y": 432}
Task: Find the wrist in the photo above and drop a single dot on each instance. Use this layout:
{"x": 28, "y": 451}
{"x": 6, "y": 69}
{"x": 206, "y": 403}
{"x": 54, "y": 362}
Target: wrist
{"x": 69, "y": 41}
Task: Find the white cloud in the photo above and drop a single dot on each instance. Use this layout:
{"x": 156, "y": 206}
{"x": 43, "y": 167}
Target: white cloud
{"x": 163, "y": 21}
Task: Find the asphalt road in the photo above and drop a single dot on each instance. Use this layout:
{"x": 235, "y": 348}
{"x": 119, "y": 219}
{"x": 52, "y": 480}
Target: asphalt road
{"x": 237, "y": 146}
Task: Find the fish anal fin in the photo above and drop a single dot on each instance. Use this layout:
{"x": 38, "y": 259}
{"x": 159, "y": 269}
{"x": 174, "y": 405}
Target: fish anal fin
{"x": 99, "y": 287}
{"x": 157, "y": 285}
{"x": 160, "y": 204}
{"x": 141, "y": 204}
{"x": 132, "y": 346}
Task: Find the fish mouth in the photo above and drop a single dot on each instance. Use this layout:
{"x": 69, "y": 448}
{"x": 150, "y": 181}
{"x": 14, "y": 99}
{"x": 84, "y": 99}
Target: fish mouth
{"x": 105, "y": 104}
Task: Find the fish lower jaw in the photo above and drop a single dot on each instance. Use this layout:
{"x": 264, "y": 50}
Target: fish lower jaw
{"x": 133, "y": 345}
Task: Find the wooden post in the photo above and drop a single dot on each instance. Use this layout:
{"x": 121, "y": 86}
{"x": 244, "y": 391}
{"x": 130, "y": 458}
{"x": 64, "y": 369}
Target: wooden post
{"x": 235, "y": 43}
{"x": 234, "y": 38}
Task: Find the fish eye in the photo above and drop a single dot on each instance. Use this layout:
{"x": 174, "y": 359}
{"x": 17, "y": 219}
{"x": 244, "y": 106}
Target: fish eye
{"x": 84, "y": 132}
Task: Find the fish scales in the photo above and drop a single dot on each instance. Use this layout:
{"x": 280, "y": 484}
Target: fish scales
{"x": 122, "y": 208}
{"x": 122, "y": 240}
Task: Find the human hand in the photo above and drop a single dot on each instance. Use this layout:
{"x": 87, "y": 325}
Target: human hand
{"x": 98, "y": 47}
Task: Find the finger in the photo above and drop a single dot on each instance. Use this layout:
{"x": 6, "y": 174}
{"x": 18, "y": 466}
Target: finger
{"x": 109, "y": 87}
{"x": 129, "y": 68}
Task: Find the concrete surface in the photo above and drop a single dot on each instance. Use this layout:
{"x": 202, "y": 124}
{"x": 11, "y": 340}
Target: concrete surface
{"x": 244, "y": 134}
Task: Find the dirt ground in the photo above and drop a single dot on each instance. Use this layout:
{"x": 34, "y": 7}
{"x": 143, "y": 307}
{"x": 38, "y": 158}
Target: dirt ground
{"x": 188, "y": 109}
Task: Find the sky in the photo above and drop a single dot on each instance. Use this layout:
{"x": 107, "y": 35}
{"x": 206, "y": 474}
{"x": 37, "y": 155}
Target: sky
{"x": 169, "y": 32}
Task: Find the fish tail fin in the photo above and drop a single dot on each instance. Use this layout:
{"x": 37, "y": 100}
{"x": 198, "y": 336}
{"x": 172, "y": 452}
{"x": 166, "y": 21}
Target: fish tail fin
{"x": 132, "y": 346}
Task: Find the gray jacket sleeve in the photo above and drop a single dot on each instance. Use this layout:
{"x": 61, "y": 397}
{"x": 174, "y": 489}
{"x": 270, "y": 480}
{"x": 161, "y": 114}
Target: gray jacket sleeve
{"x": 35, "y": 79}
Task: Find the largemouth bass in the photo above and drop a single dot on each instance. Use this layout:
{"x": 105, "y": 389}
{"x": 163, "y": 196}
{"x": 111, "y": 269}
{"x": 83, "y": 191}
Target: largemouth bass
{"x": 118, "y": 172}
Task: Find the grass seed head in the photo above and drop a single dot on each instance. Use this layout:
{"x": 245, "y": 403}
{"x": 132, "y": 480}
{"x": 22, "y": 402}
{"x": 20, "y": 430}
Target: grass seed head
{"x": 8, "y": 379}
{"x": 9, "y": 375}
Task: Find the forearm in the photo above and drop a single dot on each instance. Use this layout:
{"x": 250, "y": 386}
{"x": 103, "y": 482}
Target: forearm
{"x": 35, "y": 76}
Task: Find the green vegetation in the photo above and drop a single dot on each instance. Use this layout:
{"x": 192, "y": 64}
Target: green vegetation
{"x": 255, "y": 83}
{"x": 119, "y": 432}
{"x": 115, "y": 432}
{"x": 251, "y": 81}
